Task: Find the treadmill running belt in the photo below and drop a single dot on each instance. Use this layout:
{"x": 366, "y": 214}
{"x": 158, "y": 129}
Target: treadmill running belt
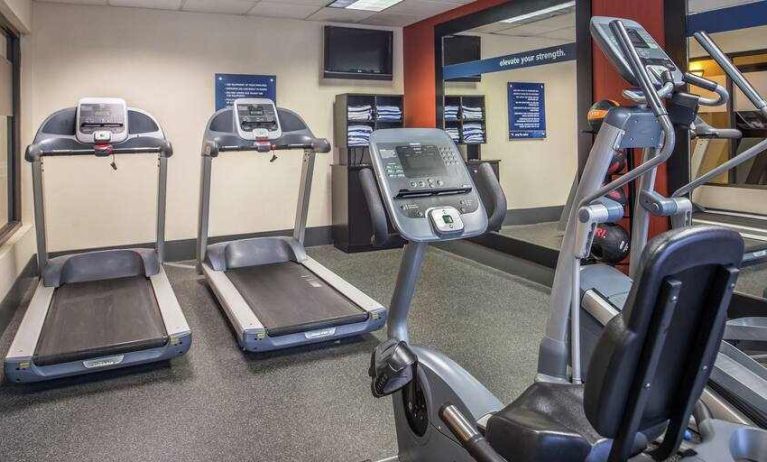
{"x": 288, "y": 298}
{"x": 100, "y": 318}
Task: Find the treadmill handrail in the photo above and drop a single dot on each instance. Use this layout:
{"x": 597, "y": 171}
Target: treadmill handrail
{"x": 39, "y": 150}
{"x": 212, "y": 148}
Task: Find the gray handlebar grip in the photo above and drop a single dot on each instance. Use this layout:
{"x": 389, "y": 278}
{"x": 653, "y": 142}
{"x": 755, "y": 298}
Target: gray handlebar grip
{"x": 486, "y": 177}
{"x": 378, "y": 219}
{"x": 321, "y": 145}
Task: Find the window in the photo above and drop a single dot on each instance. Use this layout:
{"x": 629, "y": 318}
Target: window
{"x": 10, "y": 155}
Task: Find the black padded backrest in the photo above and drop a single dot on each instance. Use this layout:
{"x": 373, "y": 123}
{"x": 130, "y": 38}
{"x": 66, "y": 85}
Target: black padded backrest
{"x": 649, "y": 362}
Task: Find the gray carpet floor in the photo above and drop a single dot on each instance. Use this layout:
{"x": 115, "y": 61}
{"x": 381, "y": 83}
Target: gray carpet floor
{"x": 753, "y": 280}
{"x": 307, "y": 404}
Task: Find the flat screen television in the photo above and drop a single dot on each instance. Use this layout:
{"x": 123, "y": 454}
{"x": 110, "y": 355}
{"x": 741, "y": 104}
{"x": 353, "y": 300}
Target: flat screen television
{"x": 457, "y": 49}
{"x": 364, "y": 54}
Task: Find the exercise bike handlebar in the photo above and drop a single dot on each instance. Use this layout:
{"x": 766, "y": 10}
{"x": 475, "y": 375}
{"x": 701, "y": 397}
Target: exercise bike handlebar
{"x": 467, "y": 434}
{"x": 654, "y": 102}
{"x": 732, "y": 71}
{"x": 486, "y": 177}
{"x": 381, "y": 235}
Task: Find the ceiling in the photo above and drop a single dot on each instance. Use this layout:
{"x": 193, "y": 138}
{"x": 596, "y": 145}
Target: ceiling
{"x": 405, "y": 13}
{"x": 559, "y": 28}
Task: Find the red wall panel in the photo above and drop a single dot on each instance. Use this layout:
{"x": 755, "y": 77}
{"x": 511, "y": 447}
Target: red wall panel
{"x": 418, "y": 44}
{"x": 609, "y": 84}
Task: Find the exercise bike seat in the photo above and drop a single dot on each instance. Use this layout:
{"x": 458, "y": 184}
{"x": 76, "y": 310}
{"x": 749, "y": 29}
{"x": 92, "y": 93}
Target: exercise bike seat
{"x": 654, "y": 360}
{"x": 548, "y": 422}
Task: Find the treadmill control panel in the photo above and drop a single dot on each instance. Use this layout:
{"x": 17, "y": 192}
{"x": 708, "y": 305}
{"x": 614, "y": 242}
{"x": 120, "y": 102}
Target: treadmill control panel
{"x": 428, "y": 191}
{"x": 652, "y": 55}
{"x": 101, "y": 121}
{"x": 256, "y": 119}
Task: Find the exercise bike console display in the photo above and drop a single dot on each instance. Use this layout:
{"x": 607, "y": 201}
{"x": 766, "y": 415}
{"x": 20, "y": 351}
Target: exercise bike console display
{"x": 256, "y": 119}
{"x": 101, "y": 120}
{"x": 427, "y": 188}
{"x": 651, "y": 54}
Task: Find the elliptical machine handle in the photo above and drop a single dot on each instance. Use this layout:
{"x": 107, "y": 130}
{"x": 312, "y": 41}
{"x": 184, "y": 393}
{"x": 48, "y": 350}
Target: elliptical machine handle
{"x": 645, "y": 83}
{"x": 486, "y": 177}
{"x": 732, "y": 71}
{"x": 381, "y": 236}
{"x": 722, "y": 95}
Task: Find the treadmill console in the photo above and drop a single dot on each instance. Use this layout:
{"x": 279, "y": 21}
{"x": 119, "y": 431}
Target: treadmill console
{"x": 256, "y": 119}
{"x": 427, "y": 189}
{"x": 101, "y": 121}
{"x": 652, "y": 55}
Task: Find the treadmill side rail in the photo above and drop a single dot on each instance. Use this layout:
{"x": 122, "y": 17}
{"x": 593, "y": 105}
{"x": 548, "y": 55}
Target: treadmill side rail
{"x": 26, "y": 339}
{"x": 237, "y": 310}
{"x": 175, "y": 323}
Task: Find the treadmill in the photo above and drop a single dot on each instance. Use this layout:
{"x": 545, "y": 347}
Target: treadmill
{"x": 105, "y": 309}
{"x": 274, "y": 295}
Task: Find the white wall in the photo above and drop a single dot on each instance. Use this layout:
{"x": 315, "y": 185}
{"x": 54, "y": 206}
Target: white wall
{"x": 534, "y": 173}
{"x": 164, "y": 62}
{"x": 752, "y": 38}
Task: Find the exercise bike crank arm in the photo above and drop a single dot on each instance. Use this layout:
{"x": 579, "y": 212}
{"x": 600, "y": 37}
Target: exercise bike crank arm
{"x": 468, "y": 435}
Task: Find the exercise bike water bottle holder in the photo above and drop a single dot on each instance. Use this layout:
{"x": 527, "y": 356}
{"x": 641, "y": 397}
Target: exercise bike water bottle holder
{"x": 392, "y": 366}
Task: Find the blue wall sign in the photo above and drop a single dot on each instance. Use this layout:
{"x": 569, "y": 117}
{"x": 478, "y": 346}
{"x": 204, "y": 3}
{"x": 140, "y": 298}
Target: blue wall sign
{"x": 229, "y": 87}
{"x": 726, "y": 19}
{"x": 527, "y": 111}
{"x": 530, "y": 58}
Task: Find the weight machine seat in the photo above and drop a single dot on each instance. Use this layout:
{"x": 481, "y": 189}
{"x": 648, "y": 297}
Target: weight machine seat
{"x": 653, "y": 360}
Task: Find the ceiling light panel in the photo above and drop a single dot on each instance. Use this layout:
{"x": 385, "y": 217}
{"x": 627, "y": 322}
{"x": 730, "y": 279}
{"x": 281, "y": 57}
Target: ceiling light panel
{"x": 366, "y": 5}
{"x": 542, "y": 13}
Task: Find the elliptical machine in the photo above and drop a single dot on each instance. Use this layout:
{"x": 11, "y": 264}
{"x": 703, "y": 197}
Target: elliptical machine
{"x": 443, "y": 413}
{"x": 585, "y": 298}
